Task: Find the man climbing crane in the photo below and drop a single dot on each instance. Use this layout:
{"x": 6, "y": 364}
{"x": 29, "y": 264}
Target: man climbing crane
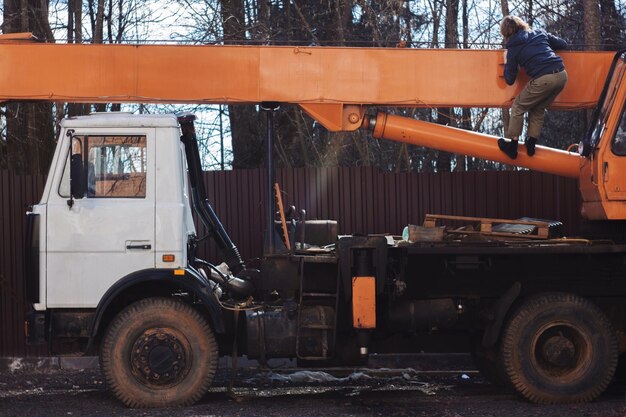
{"x": 532, "y": 50}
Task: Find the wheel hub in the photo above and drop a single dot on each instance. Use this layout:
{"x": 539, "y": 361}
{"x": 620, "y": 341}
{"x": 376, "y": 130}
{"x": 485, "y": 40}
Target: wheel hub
{"x": 159, "y": 358}
{"x": 561, "y": 350}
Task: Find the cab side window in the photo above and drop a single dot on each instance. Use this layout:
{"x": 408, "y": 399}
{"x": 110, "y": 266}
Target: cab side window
{"x": 619, "y": 141}
{"x": 115, "y": 166}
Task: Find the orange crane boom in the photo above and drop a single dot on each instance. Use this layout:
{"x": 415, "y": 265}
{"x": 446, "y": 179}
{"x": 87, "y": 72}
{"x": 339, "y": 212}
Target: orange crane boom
{"x": 334, "y": 85}
{"x": 323, "y": 80}
{"x": 464, "y": 142}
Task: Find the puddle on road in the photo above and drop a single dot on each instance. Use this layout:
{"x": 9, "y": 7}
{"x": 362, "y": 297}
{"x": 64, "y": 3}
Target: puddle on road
{"x": 346, "y": 390}
{"x": 273, "y": 384}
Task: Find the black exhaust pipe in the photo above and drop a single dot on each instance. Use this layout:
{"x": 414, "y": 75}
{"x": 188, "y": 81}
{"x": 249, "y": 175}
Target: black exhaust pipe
{"x": 199, "y": 199}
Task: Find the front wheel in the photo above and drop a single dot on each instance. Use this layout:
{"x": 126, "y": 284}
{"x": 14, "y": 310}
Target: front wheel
{"x": 559, "y": 348}
{"x": 159, "y": 352}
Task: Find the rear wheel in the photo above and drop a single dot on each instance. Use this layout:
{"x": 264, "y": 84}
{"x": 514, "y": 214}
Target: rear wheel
{"x": 559, "y": 348}
{"x": 159, "y": 352}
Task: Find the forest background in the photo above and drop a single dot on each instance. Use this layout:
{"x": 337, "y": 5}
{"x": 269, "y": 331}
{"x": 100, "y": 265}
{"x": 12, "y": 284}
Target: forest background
{"x": 233, "y": 136}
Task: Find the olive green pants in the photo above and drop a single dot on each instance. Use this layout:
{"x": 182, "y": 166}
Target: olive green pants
{"x": 536, "y": 96}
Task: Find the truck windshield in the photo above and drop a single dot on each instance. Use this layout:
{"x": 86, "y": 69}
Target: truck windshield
{"x": 607, "y": 100}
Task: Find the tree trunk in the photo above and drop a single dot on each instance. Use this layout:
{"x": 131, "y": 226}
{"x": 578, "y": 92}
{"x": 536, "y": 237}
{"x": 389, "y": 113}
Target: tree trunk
{"x": 233, "y": 21}
{"x": 504, "y": 4}
{"x": 98, "y": 37}
{"x": 248, "y": 149}
{"x": 592, "y": 21}
{"x": 452, "y": 23}
{"x": 466, "y": 114}
{"x": 612, "y": 24}
{"x": 465, "y": 19}
{"x": 591, "y": 11}
{"x": 75, "y": 35}
{"x": 70, "y": 21}
{"x": 29, "y": 127}
{"x": 435, "y": 9}
{"x": 444, "y": 115}
{"x": 78, "y": 21}
{"x": 408, "y": 36}
{"x": 342, "y": 12}
{"x": 530, "y": 17}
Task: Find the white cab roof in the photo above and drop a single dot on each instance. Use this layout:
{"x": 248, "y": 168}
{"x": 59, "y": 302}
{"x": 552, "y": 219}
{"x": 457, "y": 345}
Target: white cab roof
{"x": 118, "y": 119}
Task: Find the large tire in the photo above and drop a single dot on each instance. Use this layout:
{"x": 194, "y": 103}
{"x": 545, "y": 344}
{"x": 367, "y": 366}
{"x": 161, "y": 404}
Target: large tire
{"x": 159, "y": 352}
{"x": 559, "y": 348}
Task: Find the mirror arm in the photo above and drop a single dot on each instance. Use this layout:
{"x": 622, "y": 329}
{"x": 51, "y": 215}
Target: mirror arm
{"x": 70, "y": 134}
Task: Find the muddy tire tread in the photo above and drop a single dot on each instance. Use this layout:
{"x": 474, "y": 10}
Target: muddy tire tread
{"x": 519, "y": 319}
{"x": 120, "y": 321}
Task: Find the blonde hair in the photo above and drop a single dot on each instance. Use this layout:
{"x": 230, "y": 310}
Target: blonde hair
{"x": 510, "y": 25}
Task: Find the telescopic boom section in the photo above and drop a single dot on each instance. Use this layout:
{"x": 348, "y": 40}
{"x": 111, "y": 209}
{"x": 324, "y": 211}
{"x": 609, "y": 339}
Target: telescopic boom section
{"x": 465, "y": 142}
{"x": 308, "y": 76}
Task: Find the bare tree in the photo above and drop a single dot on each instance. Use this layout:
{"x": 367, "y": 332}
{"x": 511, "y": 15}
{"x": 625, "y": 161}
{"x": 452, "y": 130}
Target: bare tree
{"x": 613, "y": 25}
{"x": 592, "y": 24}
{"x": 244, "y": 119}
{"x": 96, "y": 15}
{"x": 29, "y": 128}
{"x": 445, "y": 114}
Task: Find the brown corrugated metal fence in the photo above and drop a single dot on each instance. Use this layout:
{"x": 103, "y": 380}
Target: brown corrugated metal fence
{"x": 16, "y": 191}
{"x": 363, "y": 200}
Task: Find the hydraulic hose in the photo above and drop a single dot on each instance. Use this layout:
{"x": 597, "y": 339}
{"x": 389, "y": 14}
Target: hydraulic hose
{"x": 199, "y": 197}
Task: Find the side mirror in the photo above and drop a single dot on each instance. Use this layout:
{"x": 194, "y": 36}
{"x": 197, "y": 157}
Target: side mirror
{"x": 77, "y": 176}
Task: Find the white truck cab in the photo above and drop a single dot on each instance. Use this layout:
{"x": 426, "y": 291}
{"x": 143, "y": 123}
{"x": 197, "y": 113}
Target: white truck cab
{"x": 111, "y": 259}
{"x": 124, "y": 223}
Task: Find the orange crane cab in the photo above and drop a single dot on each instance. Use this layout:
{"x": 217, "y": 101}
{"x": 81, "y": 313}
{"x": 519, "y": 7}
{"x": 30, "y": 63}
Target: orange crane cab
{"x": 603, "y": 166}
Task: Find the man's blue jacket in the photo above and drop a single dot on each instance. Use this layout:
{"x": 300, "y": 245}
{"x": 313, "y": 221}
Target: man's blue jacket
{"x": 534, "y": 51}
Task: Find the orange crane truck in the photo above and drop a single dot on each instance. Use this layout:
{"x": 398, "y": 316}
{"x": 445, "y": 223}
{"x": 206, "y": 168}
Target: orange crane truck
{"x": 113, "y": 263}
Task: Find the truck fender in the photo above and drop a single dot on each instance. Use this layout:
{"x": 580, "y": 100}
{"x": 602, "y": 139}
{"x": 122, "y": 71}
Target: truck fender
{"x": 155, "y": 282}
{"x": 499, "y": 311}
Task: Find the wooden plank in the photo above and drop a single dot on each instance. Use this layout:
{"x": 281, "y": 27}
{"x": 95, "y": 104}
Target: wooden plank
{"x": 485, "y": 220}
{"x": 495, "y": 234}
{"x": 486, "y": 225}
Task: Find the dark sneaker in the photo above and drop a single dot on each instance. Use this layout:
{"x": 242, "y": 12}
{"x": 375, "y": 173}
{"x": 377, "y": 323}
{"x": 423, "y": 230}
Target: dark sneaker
{"x": 509, "y": 148}
{"x": 530, "y": 145}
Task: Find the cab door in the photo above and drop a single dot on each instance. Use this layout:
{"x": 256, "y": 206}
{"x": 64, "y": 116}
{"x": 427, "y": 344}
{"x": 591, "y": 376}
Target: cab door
{"x": 614, "y": 161}
{"x": 603, "y": 175}
{"x": 109, "y": 233}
